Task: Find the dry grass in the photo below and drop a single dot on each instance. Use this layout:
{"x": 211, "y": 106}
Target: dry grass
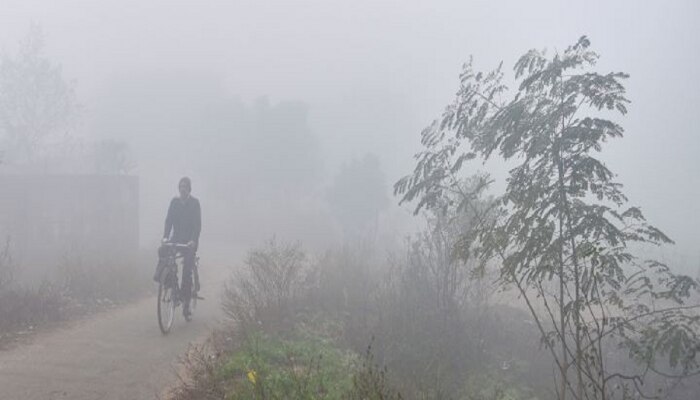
{"x": 80, "y": 288}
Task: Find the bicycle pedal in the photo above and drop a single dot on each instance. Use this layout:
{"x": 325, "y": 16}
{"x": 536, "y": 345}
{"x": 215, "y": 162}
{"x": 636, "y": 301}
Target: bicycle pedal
{"x": 199, "y": 297}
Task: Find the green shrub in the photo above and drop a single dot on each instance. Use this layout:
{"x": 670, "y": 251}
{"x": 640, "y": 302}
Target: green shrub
{"x": 267, "y": 367}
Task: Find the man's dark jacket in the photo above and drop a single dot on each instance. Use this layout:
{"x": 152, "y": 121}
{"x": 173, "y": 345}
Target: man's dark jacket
{"x": 184, "y": 219}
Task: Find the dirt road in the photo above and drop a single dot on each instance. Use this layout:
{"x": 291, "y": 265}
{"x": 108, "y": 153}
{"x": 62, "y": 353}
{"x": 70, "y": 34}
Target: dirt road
{"x": 115, "y": 355}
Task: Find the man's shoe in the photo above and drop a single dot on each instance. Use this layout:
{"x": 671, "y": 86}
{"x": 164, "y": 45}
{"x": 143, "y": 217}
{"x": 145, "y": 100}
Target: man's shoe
{"x": 187, "y": 314}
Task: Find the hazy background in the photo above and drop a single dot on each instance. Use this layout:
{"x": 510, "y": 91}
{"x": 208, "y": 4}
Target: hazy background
{"x": 262, "y": 103}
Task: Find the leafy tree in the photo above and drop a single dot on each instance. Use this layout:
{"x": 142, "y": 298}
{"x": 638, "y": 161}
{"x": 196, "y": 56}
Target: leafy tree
{"x": 562, "y": 232}
{"x": 35, "y": 100}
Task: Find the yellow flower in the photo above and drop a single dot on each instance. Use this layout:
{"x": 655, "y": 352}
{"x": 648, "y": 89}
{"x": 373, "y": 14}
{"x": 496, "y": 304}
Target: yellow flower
{"x": 251, "y": 376}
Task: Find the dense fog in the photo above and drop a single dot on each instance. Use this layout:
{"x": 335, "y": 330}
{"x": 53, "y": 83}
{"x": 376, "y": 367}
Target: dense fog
{"x": 174, "y": 80}
{"x": 303, "y": 123}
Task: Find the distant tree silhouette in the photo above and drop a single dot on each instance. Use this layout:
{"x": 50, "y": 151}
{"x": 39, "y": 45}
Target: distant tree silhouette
{"x": 36, "y": 101}
{"x": 358, "y": 194}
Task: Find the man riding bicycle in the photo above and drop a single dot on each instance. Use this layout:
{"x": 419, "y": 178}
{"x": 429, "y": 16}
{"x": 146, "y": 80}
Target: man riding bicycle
{"x": 182, "y": 226}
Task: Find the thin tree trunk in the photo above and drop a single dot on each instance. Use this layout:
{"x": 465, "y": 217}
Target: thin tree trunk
{"x": 567, "y": 211}
{"x": 562, "y": 319}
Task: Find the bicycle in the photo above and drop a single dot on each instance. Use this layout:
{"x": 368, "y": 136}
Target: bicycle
{"x": 169, "y": 286}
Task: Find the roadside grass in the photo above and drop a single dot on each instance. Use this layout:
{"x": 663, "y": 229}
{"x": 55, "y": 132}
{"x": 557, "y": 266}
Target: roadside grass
{"x": 267, "y": 366}
{"x": 298, "y": 364}
{"x": 80, "y": 287}
{"x": 23, "y": 310}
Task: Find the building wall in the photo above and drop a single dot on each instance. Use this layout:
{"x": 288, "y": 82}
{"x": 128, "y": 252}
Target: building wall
{"x": 51, "y": 217}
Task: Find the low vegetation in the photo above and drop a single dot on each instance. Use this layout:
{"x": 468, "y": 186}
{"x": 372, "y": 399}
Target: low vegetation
{"x": 347, "y": 326}
{"x": 80, "y": 286}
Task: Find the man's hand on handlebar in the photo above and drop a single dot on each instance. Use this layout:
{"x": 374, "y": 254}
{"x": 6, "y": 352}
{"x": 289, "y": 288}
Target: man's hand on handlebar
{"x": 191, "y": 244}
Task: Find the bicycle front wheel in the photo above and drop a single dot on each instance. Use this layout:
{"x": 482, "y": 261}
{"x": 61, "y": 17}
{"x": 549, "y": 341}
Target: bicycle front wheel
{"x": 195, "y": 287}
{"x": 166, "y": 306}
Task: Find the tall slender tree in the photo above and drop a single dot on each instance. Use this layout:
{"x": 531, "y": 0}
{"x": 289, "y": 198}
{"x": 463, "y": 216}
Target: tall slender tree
{"x": 562, "y": 232}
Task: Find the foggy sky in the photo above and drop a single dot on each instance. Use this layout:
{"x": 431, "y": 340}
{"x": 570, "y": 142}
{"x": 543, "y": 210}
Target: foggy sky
{"x": 374, "y": 73}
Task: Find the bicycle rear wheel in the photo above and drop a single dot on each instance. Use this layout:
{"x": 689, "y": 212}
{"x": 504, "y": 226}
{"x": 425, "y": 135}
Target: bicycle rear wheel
{"x": 166, "y": 306}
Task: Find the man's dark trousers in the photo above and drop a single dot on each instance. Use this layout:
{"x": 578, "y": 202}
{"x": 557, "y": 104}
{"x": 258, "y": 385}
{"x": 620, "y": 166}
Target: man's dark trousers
{"x": 187, "y": 269}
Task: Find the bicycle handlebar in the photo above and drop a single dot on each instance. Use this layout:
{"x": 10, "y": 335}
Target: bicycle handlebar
{"x": 177, "y": 245}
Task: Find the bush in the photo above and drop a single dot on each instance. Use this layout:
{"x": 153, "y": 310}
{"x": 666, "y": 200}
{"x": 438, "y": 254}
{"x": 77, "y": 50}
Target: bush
{"x": 370, "y": 382}
{"x": 275, "y": 277}
{"x": 197, "y": 375}
{"x": 350, "y": 279}
{"x": 414, "y": 306}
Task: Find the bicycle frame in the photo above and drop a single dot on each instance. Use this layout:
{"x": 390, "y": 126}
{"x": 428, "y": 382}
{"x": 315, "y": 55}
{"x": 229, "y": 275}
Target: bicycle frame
{"x": 169, "y": 286}
{"x": 169, "y": 290}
